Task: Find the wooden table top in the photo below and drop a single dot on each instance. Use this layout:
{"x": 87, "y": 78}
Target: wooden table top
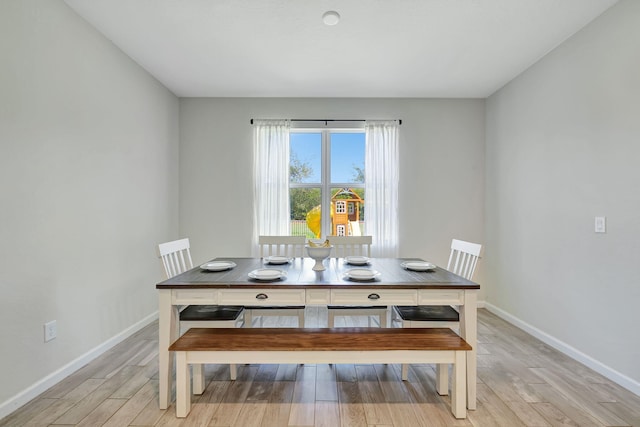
{"x": 301, "y": 276}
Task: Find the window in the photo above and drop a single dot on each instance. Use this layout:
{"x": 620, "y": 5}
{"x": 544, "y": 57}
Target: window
{"x": 326, "y": 187}
{"x": 313, "y": 187}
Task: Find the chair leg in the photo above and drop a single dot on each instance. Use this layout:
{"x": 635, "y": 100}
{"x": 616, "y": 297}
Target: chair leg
{"x": 248, "y": 319}
{"x": 301, "y": 318}
{"x": 405, "y": 367}
{"x": 383, "y": 320}
{"x": 331, "y": 319}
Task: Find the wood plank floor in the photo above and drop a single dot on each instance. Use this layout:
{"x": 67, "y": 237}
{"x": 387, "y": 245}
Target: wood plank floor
{"x": 522, "y": 382}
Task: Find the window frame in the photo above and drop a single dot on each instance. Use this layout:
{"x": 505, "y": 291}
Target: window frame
{"x": 325, "y": 174}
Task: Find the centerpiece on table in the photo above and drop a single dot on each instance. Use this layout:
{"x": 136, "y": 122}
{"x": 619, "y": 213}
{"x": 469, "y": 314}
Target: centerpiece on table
{"x": 319, "y": 252}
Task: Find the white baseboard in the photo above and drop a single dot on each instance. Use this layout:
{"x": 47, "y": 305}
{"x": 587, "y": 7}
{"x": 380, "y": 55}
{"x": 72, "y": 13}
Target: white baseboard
{"x": 10, "y": 405}
{"x": 615, "y": 376}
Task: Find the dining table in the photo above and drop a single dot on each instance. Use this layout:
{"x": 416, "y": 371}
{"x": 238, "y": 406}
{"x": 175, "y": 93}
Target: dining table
{"x": 298, "y": 284}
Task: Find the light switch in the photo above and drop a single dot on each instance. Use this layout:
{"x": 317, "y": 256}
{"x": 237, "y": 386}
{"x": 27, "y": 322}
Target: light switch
{"x": 601, "y": 224}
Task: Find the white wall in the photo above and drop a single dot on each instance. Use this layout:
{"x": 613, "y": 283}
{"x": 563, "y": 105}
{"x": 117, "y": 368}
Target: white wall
{"x": 441, "y": 160}
{"x": 88, "y": 187}
{"x": 563, "y": 146}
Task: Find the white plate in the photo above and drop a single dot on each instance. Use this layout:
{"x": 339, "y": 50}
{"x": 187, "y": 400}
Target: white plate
{"x": 356, "y": 260}
{"x": 218, "y": 265}
{"x": 362, "y": 274}
{"x": 267, "y": 274}
{"x": 418, "y": 265}
{"x": 277, "y": 260}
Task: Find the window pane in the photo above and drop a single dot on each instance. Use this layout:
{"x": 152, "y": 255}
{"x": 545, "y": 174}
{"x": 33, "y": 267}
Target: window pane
{"x": 347, "y": 216}
{"x": 312, "y": 209}
{"x": 347, "y": 157}
{"x": 306, "y": 155}
{"x": 306, "y": 219}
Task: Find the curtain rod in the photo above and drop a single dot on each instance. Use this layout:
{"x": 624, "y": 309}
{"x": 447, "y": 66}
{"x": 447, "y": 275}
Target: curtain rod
{"x": 331, "y": 120}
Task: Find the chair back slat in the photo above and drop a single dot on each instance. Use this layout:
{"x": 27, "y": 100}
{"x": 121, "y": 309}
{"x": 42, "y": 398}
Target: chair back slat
{"x": 289, "y": 246}
{"x": 350, "y": 246}
{"x": 463, "y": 258}
{"x": 176, "y": 257}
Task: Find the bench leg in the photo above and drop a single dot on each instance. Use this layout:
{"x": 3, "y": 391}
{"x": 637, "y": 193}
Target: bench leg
{"x": 233, "y": 369}
{"x": 183, "y": 389}
{"x": 459, "y": 386}
{"x": 199, "y": 381}
{"x": 442, "y": 379}
{"x": 198, "y": 378}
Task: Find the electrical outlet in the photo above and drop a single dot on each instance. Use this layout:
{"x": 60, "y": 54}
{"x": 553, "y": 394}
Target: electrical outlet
{"x": 601, "y": 224}
{"x": 50, "y": 330}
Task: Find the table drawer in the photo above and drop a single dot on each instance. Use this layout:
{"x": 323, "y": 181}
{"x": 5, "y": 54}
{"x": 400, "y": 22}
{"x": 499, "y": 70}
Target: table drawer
{"x": 194, "y": 296}
{"x": 262, "y": 297}
{"x": 374, "y": 297}
{"x": 437, "y": 297}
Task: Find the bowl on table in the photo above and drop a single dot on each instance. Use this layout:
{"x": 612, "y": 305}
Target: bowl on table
{"x": 319, "y": 254}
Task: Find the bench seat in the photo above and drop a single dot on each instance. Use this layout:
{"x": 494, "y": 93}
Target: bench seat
{"x": 320, "y": 345}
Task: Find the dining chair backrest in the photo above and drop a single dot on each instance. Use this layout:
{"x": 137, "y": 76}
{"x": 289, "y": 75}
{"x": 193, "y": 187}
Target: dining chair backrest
{"x": 350, "y": 245}
{"x": 176, "y": 257}
{"x": 463, "y": 258}
{"x": 290, "y": 246}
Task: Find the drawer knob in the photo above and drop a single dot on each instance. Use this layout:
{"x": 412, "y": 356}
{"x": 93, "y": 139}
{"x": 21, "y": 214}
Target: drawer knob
{"x": 262, "y": 296}
{"x": 373, "y": 296}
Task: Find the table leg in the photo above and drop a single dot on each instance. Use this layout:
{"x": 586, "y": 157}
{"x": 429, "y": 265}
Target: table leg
{"x": 469, "y": 331}
{"x": 167, "y": 334}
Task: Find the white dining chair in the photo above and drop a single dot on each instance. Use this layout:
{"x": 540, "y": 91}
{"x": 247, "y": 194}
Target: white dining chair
{"x": 176, "y": 259}
{"x": 287, "y": 246}
{"x": 462, "y": 261}
{"x": 350, "y": 246}
{"x": 344, "y": 246}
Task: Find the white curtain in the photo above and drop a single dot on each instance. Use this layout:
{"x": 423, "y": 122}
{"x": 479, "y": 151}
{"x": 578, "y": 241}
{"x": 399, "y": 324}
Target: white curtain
{"x": 271, "y": 178}
{"x": 381, "y": 187}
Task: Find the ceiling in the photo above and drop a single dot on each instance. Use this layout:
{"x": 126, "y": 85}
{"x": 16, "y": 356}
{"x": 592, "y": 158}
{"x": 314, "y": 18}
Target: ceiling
{"x": 380, "y": 48}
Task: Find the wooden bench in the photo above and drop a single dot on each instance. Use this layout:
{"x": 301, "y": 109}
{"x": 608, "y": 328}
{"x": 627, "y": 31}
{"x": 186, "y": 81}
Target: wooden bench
{"x": 320, "y": 345}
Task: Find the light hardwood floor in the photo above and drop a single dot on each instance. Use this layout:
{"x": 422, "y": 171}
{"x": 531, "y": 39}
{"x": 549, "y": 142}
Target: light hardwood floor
{"x": 522, "y": 382}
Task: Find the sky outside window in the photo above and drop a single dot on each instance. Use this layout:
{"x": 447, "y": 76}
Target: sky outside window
{"x": 306, "y": 148}
{"x": 347, "y": 154}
